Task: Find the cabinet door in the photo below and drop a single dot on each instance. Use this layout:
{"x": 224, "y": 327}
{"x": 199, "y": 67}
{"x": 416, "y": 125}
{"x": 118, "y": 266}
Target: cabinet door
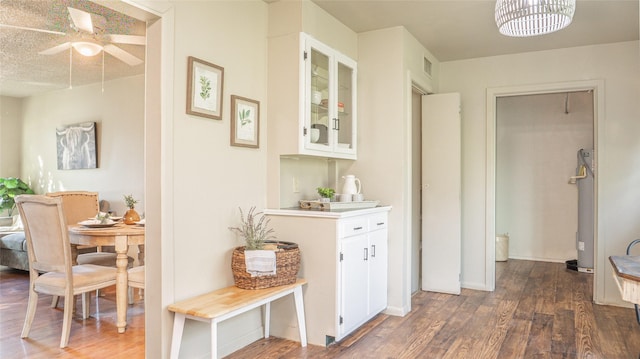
{"x": 354, "y": 288}
{"x": 329, "y": 105}
{"x": 378, "y": 271}
{"x": 344, "y": 123}
{"x": 318, "y": 117}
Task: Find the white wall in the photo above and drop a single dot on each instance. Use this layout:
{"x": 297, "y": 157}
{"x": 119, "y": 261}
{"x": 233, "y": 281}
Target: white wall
{"x": 210, "y": 179}
{"x": 118, "y": 113}
{"x": 389, "y": 61}
{"x": 10, "y": 136}
{"x": 618, "y": 65}
{"x": 536, "y": 144}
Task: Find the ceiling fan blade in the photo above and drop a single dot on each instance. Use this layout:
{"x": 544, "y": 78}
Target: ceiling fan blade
{"x": 31, "y": 29}
{"x": 122, "y": 55}
{"x": 126, "y": 39}
{"x": 56, "y": 49}
{"x": 81, "y": 19}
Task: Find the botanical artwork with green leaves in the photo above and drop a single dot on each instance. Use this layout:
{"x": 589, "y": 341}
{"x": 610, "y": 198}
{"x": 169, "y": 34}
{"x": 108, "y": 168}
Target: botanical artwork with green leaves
{"x": 205, "y": 88}
{"x": 246, "y": 122}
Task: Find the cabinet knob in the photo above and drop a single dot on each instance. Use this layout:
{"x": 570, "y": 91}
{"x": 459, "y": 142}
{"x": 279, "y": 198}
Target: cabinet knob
{"x": 366, "y": 253}
{"x": 373, "y": 251}
{"x": 357, "y": 228}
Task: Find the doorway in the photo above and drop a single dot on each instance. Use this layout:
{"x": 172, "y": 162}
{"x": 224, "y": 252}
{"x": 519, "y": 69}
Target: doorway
{"x": 537, "y": 139}
{"x": 597, "y": 88}
{"x": 416, "y": 188}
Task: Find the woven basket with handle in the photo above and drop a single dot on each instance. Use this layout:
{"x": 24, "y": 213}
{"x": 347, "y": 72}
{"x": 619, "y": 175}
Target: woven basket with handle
{"x": 287, "y": 266}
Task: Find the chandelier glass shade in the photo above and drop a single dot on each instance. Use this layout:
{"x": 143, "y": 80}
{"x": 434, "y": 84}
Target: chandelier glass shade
{"x": 521, "y": 18}
{"x": 87, "y": 48}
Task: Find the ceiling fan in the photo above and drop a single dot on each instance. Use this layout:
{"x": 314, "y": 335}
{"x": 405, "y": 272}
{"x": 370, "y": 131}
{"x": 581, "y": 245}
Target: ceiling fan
{"x": 89, "y": 37}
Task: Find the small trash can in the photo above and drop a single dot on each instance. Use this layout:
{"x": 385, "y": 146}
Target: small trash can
{"x": 502, "y": 247}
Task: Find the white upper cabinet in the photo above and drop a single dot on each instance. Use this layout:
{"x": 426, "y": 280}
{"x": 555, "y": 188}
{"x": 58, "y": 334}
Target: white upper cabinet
{"x": 328, "y": 101}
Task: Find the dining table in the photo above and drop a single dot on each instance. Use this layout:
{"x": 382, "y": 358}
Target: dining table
{"x": 121, "y": 236}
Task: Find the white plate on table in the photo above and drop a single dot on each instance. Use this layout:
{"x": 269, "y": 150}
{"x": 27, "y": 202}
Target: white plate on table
{"x": 141, "y": 222}
{"x": 94, "y": 223}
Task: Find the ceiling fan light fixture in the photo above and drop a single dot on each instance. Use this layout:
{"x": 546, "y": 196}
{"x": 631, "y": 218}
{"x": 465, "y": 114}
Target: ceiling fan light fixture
{"x": 522, "y": 18}
{"x": 87, "y": 48}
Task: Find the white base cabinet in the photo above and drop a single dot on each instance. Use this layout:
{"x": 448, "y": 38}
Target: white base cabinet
{"x": 344, "y": 259}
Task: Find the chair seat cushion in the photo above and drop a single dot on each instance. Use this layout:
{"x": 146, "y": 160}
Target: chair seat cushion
{"x": 15, "y": 241}
{"x": 86, "y": 276}
{"x": 101, "y": 259}
{"x": 136, "y": 277}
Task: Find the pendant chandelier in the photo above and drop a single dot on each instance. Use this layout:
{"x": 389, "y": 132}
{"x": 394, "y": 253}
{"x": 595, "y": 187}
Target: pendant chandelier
{"x": 521, "y": 18}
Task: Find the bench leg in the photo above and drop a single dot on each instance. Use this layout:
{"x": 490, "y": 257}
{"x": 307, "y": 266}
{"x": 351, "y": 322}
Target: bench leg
{"x": 267, "y": 319}
{"x": 214, "y": 339}
{"x": 297, "y": 294}
{"x": 176, "y": 339}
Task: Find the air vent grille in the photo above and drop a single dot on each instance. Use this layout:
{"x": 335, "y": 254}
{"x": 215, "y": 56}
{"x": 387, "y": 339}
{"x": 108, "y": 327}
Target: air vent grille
{"x": 427, "y": 66}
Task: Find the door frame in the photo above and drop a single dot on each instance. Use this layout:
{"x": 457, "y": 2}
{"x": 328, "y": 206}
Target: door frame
{"x": 597, "y": 86}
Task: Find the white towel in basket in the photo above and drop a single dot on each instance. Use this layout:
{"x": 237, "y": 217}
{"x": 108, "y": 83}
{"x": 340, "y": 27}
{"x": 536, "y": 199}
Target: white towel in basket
{"x": 260, "y": 262}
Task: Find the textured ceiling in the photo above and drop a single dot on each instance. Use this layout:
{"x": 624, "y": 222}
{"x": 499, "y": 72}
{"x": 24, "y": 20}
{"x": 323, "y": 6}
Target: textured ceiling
{"x": 24, "y": 72}
{"x": 450, "y": 29}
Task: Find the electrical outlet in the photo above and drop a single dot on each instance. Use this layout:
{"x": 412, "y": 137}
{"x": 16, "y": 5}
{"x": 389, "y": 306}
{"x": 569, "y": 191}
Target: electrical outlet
{"x": 580, "y": 246}
{"x": 296, "y": 188}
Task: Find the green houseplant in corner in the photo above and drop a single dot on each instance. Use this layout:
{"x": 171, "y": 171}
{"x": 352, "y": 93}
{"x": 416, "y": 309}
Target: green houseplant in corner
{"x": 10, "y": 187}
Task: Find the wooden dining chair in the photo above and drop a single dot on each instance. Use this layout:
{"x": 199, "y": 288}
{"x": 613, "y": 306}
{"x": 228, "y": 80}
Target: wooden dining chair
{"x": 135, "y": 279}
{"x": 79, "y": 206}
{"x": 50, "y": 268}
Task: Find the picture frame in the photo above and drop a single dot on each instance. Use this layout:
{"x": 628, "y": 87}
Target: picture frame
{"x": 205, "y": 83}
{"x": 76, "y": 146}
{"x": 245, "y": 122}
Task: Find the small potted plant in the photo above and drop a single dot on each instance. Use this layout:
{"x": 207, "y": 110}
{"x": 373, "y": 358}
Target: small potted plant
{"x": 326, "y": 194}
{"x": 256, "y": 233}
{"x": 130, "y": 216}
{"x": 11, "y": 187}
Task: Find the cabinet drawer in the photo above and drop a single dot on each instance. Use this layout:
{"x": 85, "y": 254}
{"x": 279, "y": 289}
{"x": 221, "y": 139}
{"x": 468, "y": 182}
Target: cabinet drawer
{"x": 354, "y": 226}
{"x": 378, "y": 221}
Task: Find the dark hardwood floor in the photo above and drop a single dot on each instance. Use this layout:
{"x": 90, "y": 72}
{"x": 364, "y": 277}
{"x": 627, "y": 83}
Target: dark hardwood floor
{"x": 538, "y": 310}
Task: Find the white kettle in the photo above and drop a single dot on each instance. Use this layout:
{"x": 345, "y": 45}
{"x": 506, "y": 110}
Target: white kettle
{"x": 351, "y": 185}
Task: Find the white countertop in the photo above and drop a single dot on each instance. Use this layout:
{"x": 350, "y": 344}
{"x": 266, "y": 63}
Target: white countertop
{"x": 339, "y": 213}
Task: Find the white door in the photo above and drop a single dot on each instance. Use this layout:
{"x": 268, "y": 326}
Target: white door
{"x": 378, "y": 271}
{"x": 441, "y": 188}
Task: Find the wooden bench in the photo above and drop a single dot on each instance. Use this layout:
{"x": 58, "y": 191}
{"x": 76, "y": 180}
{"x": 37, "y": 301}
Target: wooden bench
{"x": 225, "y": 303}
{"x": 627, "y": 276}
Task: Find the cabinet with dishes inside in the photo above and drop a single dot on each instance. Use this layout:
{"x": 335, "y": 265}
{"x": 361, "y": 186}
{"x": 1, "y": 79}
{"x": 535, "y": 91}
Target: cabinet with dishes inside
{"x": 326, "y": 118}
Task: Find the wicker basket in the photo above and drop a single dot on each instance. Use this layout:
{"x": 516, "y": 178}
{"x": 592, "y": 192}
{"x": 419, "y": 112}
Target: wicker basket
{"x": 287, "y": 266}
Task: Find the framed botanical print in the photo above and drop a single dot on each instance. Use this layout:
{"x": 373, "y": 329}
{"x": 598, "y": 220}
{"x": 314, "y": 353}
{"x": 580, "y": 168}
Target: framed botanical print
{"x": 245, "y": 122}
{"x": 204, "y": 88}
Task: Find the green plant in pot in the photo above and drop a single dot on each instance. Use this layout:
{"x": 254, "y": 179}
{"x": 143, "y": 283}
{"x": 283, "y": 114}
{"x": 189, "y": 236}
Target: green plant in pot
{"x": 11, "y": 187}
{"x": 130, "y": 216}
{"x": 254, "y": 229}
{"x": 326, "y": 194}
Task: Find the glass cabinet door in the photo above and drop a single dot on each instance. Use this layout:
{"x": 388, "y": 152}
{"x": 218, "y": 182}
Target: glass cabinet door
{"x": 320, "y": 123}
{"x": 344, "y": 123}
{"x": 330, "y": 101}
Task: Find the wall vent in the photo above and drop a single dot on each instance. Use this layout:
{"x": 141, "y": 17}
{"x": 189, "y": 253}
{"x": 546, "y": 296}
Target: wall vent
{"x": 427, "y": 66}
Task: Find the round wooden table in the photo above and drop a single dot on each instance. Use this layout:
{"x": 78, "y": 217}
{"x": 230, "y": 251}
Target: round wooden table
{"x": 121, "y": 236}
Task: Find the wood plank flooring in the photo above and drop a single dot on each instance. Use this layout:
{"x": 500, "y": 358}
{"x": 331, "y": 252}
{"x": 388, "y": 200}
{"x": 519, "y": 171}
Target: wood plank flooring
{"x": 95, "y": 337}
{"x": 538, "y": 310}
